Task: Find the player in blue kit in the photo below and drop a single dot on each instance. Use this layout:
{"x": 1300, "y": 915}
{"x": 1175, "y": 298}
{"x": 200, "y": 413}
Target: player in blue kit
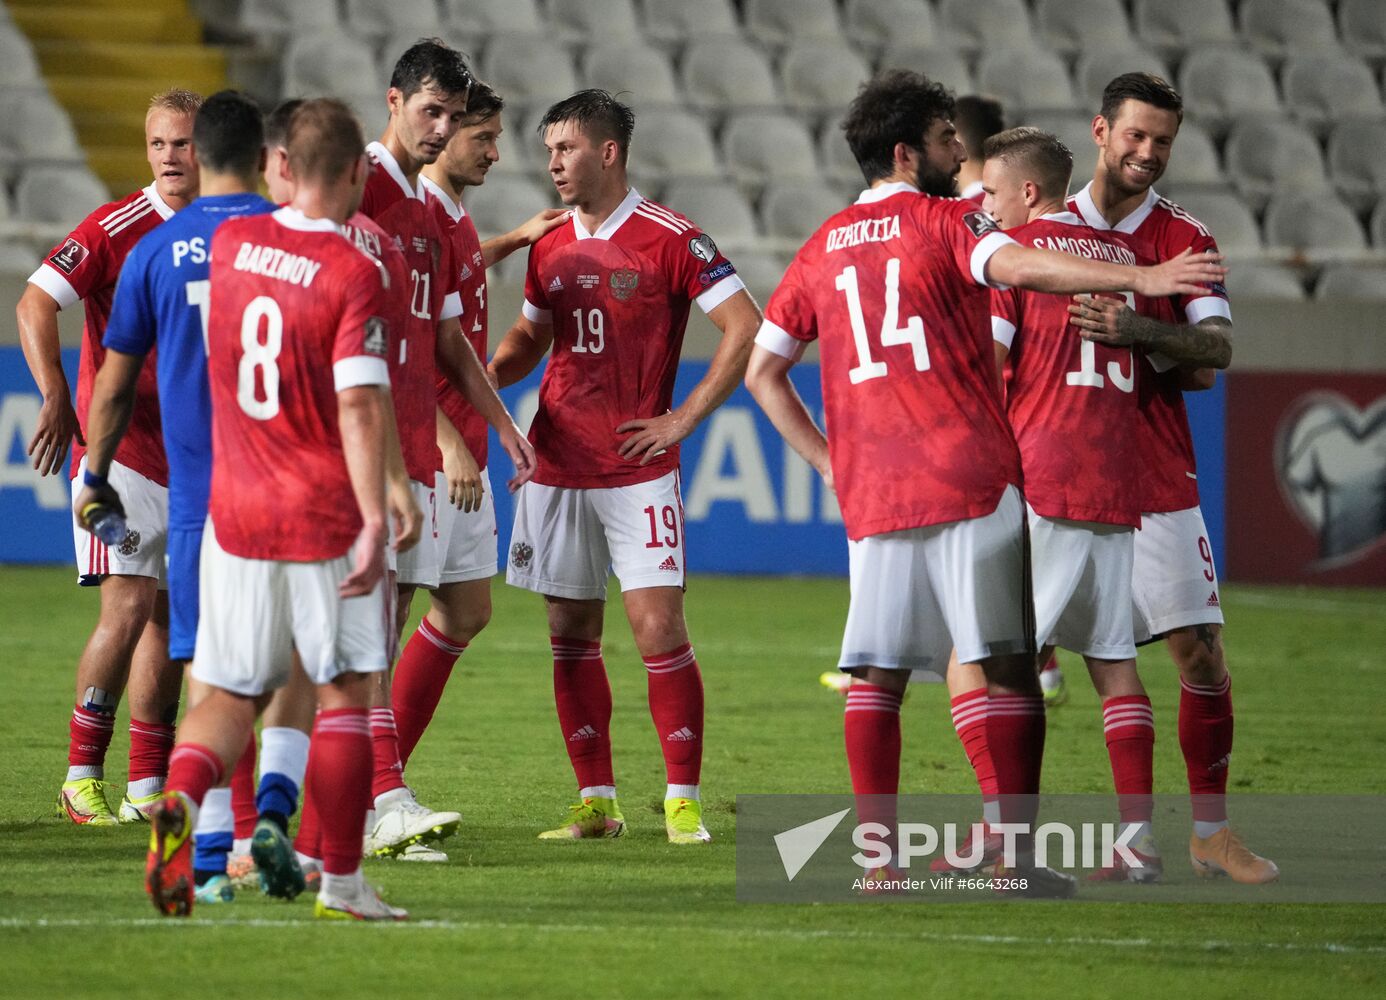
{"x": 161, "y": 306}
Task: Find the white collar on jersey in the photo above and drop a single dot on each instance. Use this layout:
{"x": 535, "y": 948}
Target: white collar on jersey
{"x": 453, "y": 208}
{"x": 1066, "y": 218}
{"x": 884, "y": 191}
{"x": 292, "y": 218}
{"x": 160, "y": 206}
{"x": 613, "y": 222}
{"x": 1087, "y": 208}
{"x": 386, "y": 159}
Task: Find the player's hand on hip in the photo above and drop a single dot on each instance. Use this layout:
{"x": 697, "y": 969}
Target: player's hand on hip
{"x": 407, "y": 517}
{"x": 88, "y": 495}
{"x": 57, "y": 426}
{"x": 521, "y": 452}
{"x": 368, "y": 562}
{"x": 1187, "y": 274}
{"x": 1101, "y": 319}
{"x": 652, "y": 436}
{"x": 465, "y": 486}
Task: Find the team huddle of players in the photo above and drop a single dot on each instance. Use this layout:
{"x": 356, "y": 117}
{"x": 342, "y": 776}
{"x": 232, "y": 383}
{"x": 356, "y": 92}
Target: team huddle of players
{"x": 318, "y": 360}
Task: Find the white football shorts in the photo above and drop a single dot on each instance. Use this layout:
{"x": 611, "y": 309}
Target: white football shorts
{"x": 1174, "y": 583}
{"x": 1081, "y": 573}
{"x": 419, "y": 566}
{"x": 566, "y": 540}
{"x": 146, "y": 515}
{"x": 466, "y": 539}
{"x": 257, "y": 612}
{"x": 917, "y": 594}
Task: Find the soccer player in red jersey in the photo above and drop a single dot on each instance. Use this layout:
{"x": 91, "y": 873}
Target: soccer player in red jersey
{"x": 130, "y": 641}
{"x": 427, "y": 99}
{"x": 926, "y": 470}
{"x": 300, "y": 403}
{"x": 1072, "y": 404}
{"x": 460, "y": 606}
{"x": 1175, "y": 582}
{"x": 609, "y": 291}
{"x": 977, "y": 118}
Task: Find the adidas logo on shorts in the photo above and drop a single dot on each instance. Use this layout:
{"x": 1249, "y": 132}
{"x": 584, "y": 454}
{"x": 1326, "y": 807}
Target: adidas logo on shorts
{"x": 1212, "y": 600}
{"x": 684, "y": 735}
{"x": 670, "y": 565}
{"x": 585, "y": 733}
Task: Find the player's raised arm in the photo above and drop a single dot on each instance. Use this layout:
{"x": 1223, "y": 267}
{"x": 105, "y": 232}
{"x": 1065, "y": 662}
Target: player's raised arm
{"x": 738, "y": 318}
{"x": 37, "y": 316}
{"x": 1044, "y": 270}
{"x": 1205, "y": 344}
{"x": 458, "y": 361}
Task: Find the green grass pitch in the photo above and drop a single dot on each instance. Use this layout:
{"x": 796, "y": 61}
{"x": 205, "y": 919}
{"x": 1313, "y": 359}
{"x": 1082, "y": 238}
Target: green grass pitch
{"x": 510, "y": 916}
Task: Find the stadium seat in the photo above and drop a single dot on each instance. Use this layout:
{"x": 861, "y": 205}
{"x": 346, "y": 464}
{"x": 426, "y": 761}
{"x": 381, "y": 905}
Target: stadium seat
{"x": 1278, "y": 27}
{"x": 835, "y": 158}
{"x": 721, "y": 74}
{"x": 986, "y": 25}
{"x": 285, "y": 17}
{"x": 1222, "y": 84}
{"x": 35, "y": 126}
{"x": 18, "y": 260}
{"x": 1194, "y": 160}
{"x": 1098, "y": 67}
{"x": 876, "y": 24}
{"x": 677, "y": 21}
{"x": 529, "y": 70}
{"x": 1025, "y": 80}
{"x": 1352, "y": 283}
{"x": 641, "y": 72}
{"x": 18, "y": 68}
{"x": 372, "y": 19}
{"x": 1313, "y": 221}
{"x": 776, "y": 22}
{"x": 759, "y": 269}
{"x": 330, "y": 62}
{"x": 1265, "y": 155}
{"x": 1224, "y": 215}
{"x": 482, "y": 17}
{"x": 1356, "y": 163}
{"x": 1362, "y": 25}
{"x": 1173, "y": 25}
{"x": 819, "y": 75}
{"x": 942, "y": 63}
{"x": 1319, "y": 89}
{"x": 672, "y": 143}
{"x": 1075, "y": 26}
{"x": 718, "y": 208}
{"x": 505, "y": 202}
{"x": 58, "y": 194}
{"x": 598, "y": 20}
{"x": 793, "y": 210}
{"x": 1256, "y": 280}
{"x": 1076, "y": 132}
{"x": 758, "y": 146}
{"x": 1378, "y": 226}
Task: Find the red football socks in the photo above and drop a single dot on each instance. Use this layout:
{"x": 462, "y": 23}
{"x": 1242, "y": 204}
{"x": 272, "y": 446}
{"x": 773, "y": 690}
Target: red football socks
{"x": 243, "y": 791}
{"x": 1015, "y": 738}
{"x": 1129, "y": 725}
{"x": 1205, "y": 736}
{"x": 388, "y": 770}
{"x": 871, "y": 728}
{"x": 192, "y": 769}
{"x": 420, "y": 676}
{"x": 89, "y": 736}
{"x": 150, "y": 746}
{"x": 970, "y": 721}
{"x": 676, "y": 704}
{"x": 339, "y": 785}
{"x": 582, "y": 694}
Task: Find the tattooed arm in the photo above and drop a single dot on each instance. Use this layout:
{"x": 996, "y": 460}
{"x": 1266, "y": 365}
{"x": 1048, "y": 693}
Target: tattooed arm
{"x": 1206, "y": 344}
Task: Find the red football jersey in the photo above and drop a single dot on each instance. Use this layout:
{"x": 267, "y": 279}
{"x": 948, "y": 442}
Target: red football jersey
{"x": 1071, "y": 402}
{"x": 471, "y": 276}
{"x": 295, "y": 318}
{"x": 1165, "y": 230}
{"x": 894, "y": 289}
{"x": 84, "y": 267}
{"x": 372, "y": 240}
{"x": 430, "y": 296}
{"x": 618, "y": 300}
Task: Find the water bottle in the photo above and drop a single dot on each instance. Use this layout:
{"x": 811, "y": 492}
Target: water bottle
{"x": 107, "y": 523}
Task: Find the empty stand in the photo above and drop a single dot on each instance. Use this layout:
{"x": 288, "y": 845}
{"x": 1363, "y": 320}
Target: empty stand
{"x": 835, "y": 157}
{"x": 718, "y": 208}
{"x": 1194, "y": 160}
{"x": 635, "y": 69}
{"x": 1280, "y": 27}
{"x": 35, "y": 127}
{"x": 820, "y": 75}
{"x": 778, "y": 21}
{"x": 504, "y": 202}
{"x": 1313, "y": 222}
{"x": 875, "y": 24}
{"x": 17, "y": 64}
{"x": 18, "y": 259}
{"x": 673, "y": 143}
{"x": 678, "y": 21}
{"x": 759, "y": 146}
{"x": 284, "y": 17}
{"x": 761, "y": 270}
{"x": 1265, "y": 281}
{"x": 1224, "y": 215}
{"x": 1076, "y": 132}
{"x": 1174, "y": 25}
{"x": 529, "y": 70}
{"x": 599, "y": 20}
{"x": 1266, "y": 155}
{"x": 1098, "y": 67}
{"x": 483, "y": 17}
{"x": 58, "y": 194}
{"x": 1362, "y": 24}
{"x": 947, "y": 65}
{"x": 1025, "y": 80}
{"x": 793, "y": 210}
{"x": 1220, "y": 84}
{"x": 373, "y": 19}
{"x": 987, "y": 24}
{"x": 1076, "y": 26}
{"x": 1356, "y": 162}
{"x": 724, "y": 74}
{"x": 332, "y": 63}
{"x": 1354, "y": 283}
{"x": 1320, "y": 89}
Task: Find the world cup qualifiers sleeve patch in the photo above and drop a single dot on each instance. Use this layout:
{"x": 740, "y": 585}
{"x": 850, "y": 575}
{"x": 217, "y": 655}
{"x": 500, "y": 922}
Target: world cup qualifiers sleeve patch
{"x": 980, "y": 224}
{"x": 68, "y": 256}
{"x": 376, "y": 341}
{"x": 703, "y": 248}
{"x": 716, "y": 273}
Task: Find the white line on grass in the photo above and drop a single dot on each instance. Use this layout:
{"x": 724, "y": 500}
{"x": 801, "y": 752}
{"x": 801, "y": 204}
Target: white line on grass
{"x": 787, "y": 933}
